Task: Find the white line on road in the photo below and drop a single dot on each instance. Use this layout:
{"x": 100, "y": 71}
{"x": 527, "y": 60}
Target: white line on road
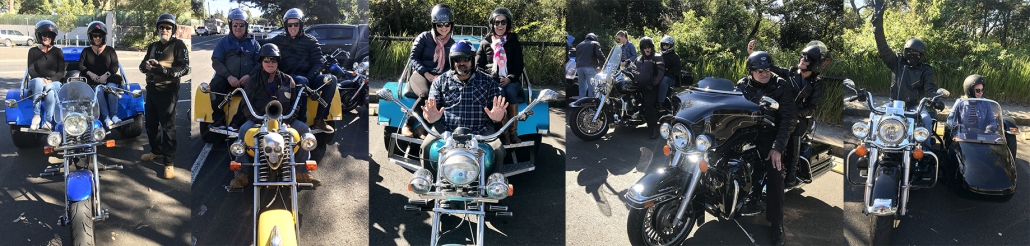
{"x": 184, "y": 100}
{"x": 200, "y": 162}
{"x": 201, "y": 42}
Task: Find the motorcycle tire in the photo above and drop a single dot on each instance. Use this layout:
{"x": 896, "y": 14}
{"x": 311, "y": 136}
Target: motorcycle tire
{"x": 580, "y": 115}
{"x": 640, "y": 219}
{"x": 208, "y": 136}
{"x": 24, "y": 140}
{"x": 348, "y": 105}
{"x": 132, "y": 130}
{"x": 81, "y": 223}
{"x": 880, "y": 229}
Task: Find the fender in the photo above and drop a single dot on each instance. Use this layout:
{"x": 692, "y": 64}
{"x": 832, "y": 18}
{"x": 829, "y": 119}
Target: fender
{"x": 885, "y": 187}
{"x": 656, "y": 187}
{"x": 80, "y": 185}
{"x": 20, "y": 114}
{"x": 281, "y": 220}
{"x": 585, "y": 102}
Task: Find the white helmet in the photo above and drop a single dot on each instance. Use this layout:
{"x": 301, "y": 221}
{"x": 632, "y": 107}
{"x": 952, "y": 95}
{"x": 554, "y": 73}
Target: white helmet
{"x": 668, "y": 40}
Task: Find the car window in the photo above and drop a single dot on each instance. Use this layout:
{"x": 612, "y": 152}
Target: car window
{"x": 3, "y": 31}
{"x": 16, "y": 32}
{"x": 341, "y": 33}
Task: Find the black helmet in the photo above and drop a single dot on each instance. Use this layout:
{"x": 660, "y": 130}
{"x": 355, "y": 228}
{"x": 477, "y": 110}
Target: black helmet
{"x": 759, "y": 60}
{"x": 646, "y": 42}
{"x": 97, "y": 27}
{"x": 168, "y": 19}
{"x": 238, "y": 14}
{"x": 269, "y": 49}
{"x": 294, "y": 13}
{"x": 462, "y": 48}
{"x": 916, "y": 45}
{"x": 46, "y": 27}
{"x": 507, "y": 18}
{"x": 816, "y": 53}
{"x": 442, "y": 13}
{"x": 591, "y": 37}
{"x": 972, "y": 81}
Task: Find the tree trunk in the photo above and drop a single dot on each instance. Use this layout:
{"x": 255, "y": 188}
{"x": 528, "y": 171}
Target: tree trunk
{"x": 855, "y": 7}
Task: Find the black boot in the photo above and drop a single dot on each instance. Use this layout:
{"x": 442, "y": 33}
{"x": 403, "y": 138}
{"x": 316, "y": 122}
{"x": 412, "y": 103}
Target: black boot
{"x": 777, "y": 232}
{"x": 654, "y": 132}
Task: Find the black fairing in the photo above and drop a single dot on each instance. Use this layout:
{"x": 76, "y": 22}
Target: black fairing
{"x": 660, "y": 185}
{"x": 728, "y": 110}
{"x": 987, "y": 169}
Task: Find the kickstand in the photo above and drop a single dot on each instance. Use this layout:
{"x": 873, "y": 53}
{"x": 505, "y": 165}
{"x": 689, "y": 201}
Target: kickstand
{"x": 745, "y": 232}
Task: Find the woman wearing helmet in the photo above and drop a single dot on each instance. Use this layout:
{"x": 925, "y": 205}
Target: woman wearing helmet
{"x": 972, "y": 114}
{"x": 100, "y": 65}
{"x": 807, "y": 85}
{"x": 269, "y": 83}
{"x": 428, "y": 59}
{"x": 672, "y": 67}
{"x": 650, "y": 72}
{"x": 46, "y": 69}
{"x": 771, "y": 141}
{"x": 500, "y": 56}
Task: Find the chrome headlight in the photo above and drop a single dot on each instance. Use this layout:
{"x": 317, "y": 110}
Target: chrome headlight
{"x": 860, "y": 129}
{"x": 921, "y": 134}
{"x": 891, "y": 131}
{"x": 665, "y": 129}
{"x": 680, "y": 137}
{"x": 703, "y": 143}
{"x": 421, "y": 181}
{"x": 460, "y": 168}
{"x": 99, "y": 134}
{"x": 54, "y": 139}
{"x": 237, "y": 148}
{"x": 497, "y": 186}
{"x": 75, "y": 124}
{"x": 308, "y": 142}
{"x": 273, "y": 146}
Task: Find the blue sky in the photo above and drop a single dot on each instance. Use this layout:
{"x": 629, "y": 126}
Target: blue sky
{"x": 214, "y": 6}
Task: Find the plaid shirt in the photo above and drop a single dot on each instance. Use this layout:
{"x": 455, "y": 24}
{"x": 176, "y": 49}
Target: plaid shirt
{"x": 463, "y": 101}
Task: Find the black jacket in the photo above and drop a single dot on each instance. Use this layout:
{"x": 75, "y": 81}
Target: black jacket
{"x": 779, "y": 90}
{"x": 908, "y": 83}
{"x": 300, "y": 55}
{"x": 174, "y": 61}
{"x": 588, "y": 54}
{"x": 512, "y": 48}
{"x": 672, "y": 65}
{"x": 48, "y": 65}
{"x": 650, "y": 71}
{"x": 421, "y": 56}
{"x": 260, "y": 93}
{"x": 807, "y": 92}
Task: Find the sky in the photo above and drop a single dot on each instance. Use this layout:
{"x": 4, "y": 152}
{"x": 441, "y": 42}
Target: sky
{"x": 215, "y": 6}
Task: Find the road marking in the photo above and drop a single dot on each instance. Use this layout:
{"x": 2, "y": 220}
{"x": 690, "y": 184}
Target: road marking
{"x": 200, "y": 162}
{"x": 201, "y": 42}
{"x": 184, "y": 100}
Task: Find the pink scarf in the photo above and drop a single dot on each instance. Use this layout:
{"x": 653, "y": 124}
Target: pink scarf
{"x": 440, "y": 54}
{"x": 500, "y": 57}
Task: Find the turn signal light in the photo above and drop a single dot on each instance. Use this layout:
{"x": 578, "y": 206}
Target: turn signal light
{"x": 310, "y": 165}
{"x": 666, "y": 150}
{"x": 235, "y": 166}
{"x": 703, "y": 165}
{"x": 648, "y": 204}
{"x": 918, "y": 154}
{"x": 48, "y": 150}
{"x": 109, "y": 143}
{"x": 511, "y": 190}
{"x": 861, "y": 150}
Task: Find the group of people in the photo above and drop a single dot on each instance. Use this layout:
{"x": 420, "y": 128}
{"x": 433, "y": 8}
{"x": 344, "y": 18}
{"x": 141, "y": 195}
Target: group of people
{"x": 165, "y": 63}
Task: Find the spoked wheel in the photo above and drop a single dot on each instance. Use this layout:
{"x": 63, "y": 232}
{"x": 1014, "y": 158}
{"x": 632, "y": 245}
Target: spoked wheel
{"x": 346, "y": 104}
{"x": 880, "y": 229}
{"x": 587, "y": 129}
{"x": 82, "y": 223}
{"x": 657, "y": 225}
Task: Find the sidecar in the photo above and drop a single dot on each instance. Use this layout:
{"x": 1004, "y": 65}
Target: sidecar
{"x": 19, "y": 114}
{"x": 980, "y": 149}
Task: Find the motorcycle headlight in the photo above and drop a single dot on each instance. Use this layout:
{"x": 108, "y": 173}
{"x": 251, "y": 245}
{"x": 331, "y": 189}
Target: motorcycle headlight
{"x": 666, "y": 129}
{"x": 237, "y": 148}
{"x": 99, "y": 134}
{"x": 308, "y": 142}
{"x": 54, "y": 139}
{"x": 460, "y": 169}
{"x": 891, "y": 131}
{"x": 921, "y": 134}
{"x": 680, "y": 137}
{"x": 860, "y": 129}
{"x": 421, "y": 181}
{"x": 75, "y": 124}
{"x": 497, "y": 186}
{"x": 703, "y": 143}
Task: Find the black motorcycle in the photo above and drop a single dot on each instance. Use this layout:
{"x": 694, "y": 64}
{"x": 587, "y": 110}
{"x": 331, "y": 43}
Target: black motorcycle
{"x": 617, "y": 100}
{"x": 353, "y": 85}
{"x": 711, "y": 141}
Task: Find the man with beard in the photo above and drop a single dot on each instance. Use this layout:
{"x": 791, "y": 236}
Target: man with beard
{"x": 463, "y": 97}
{"x": 165, "y": 63}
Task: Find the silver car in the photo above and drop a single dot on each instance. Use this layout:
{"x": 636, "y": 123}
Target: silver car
{"x": 15, "y": 37}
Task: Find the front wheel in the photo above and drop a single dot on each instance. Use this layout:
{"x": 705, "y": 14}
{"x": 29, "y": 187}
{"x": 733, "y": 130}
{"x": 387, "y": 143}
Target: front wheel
{"x": 30, "y": 42}
{"x": 8, "y": 43}
{"x": 82, "y": 223}
{"x": 657, "y": 225}
{"x": 880, "y": 229}
{"x": 587, "y": 129}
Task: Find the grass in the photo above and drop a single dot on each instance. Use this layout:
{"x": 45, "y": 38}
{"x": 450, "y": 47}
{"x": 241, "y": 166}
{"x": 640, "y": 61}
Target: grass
{"x": 543, "y": 64}
{"x": 1005, "y": 82}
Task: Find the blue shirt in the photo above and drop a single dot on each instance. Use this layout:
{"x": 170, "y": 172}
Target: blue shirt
{"x": 463, "y": 102}
{"x": 629, "y": 52}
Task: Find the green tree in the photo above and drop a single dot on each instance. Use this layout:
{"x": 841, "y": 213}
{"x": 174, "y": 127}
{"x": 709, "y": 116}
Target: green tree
{"x": 68, "y": 12}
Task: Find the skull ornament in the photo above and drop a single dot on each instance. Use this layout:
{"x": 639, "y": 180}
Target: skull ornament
{"x": 274, "y": 147}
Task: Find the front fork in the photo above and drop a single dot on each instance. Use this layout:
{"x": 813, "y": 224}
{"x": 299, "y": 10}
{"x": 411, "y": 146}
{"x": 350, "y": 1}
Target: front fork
{"x": 874, "y": 173}
{"x": 600, "y": 106}
{"x": 691, "y": 183}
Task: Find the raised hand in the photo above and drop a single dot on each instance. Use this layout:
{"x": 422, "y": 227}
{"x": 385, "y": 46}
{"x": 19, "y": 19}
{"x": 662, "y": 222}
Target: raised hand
{"x": 751, "y": 46}
{"x": 497, "y": 112}
{"x": 431, "y": 112}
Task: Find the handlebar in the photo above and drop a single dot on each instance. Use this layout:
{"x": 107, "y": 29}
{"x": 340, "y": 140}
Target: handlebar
{"x": 869, "y": 99}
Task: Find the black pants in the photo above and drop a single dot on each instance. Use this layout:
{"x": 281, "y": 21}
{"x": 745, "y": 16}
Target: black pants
{"x": 650, "y": 98}
{"x": 773, "y": 179}
{"x": 794, "y": 151}
{"x": 221, "y": 85}
{"x": 160, "y": 113}
{"x": 327, "y": 90}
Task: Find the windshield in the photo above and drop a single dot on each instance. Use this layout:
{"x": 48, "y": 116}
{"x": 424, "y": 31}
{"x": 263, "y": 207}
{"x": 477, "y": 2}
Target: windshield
{"x": 76, "y": 97}
{"x": 976, "y": 120}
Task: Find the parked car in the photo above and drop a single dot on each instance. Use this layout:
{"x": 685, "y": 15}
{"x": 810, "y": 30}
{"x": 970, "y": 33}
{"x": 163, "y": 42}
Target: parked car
{"x": 15, "y": 37}
{"x": 350, "y": 38}
{"x": 203, "y": 31}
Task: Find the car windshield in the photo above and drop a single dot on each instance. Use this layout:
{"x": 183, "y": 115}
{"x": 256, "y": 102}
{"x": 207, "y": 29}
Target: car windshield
{"x": 976, "y": 120}
{"x": 77, "y": 97}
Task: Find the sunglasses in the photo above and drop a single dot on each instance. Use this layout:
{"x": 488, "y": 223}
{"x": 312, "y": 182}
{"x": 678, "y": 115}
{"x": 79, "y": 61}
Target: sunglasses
{"x": 239, "y": 25}
{"x": 295, "y": 24}
{"x": 763, "y": 70}
{"x": 163, "y": 27}
{"x": 444, "y": 24}
{"x": 915, "y": 53}
{"x": 270, "y": 60}
{"x": 499, "y": 22}
{"x": 978, "y": 90}
{"x": 461, "y": 59}
{"x": 96, "y": 36}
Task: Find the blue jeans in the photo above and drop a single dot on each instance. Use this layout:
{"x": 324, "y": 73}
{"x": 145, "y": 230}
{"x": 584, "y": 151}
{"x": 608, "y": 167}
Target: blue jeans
{"x": 301, "y": 155}
{"x": 111, "y": 100}
{"x": 512, "y": 92}
{"x": 585, "y": 74}
{"x": 36, "y": 86}
{"x": 663, "y": 88}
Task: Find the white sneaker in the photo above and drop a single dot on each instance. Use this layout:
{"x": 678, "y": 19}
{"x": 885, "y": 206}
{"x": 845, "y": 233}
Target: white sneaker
{"x": 115, "y": 119}
{"x": 108, "y": 122}
{"x": 35, "y": 123}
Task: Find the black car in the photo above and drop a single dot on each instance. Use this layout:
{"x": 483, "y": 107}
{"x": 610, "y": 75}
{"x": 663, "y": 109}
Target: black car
{"x": 350, "y": 38}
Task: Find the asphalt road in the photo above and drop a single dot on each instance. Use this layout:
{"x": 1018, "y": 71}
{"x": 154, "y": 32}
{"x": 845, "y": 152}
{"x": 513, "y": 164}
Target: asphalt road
{"x": 538, "y": 202}
{"x": 144, "y": 208}
{"x": 334, "y": 214}
{"x": 937, "y": 216}
{"x": 599, "y": 173}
